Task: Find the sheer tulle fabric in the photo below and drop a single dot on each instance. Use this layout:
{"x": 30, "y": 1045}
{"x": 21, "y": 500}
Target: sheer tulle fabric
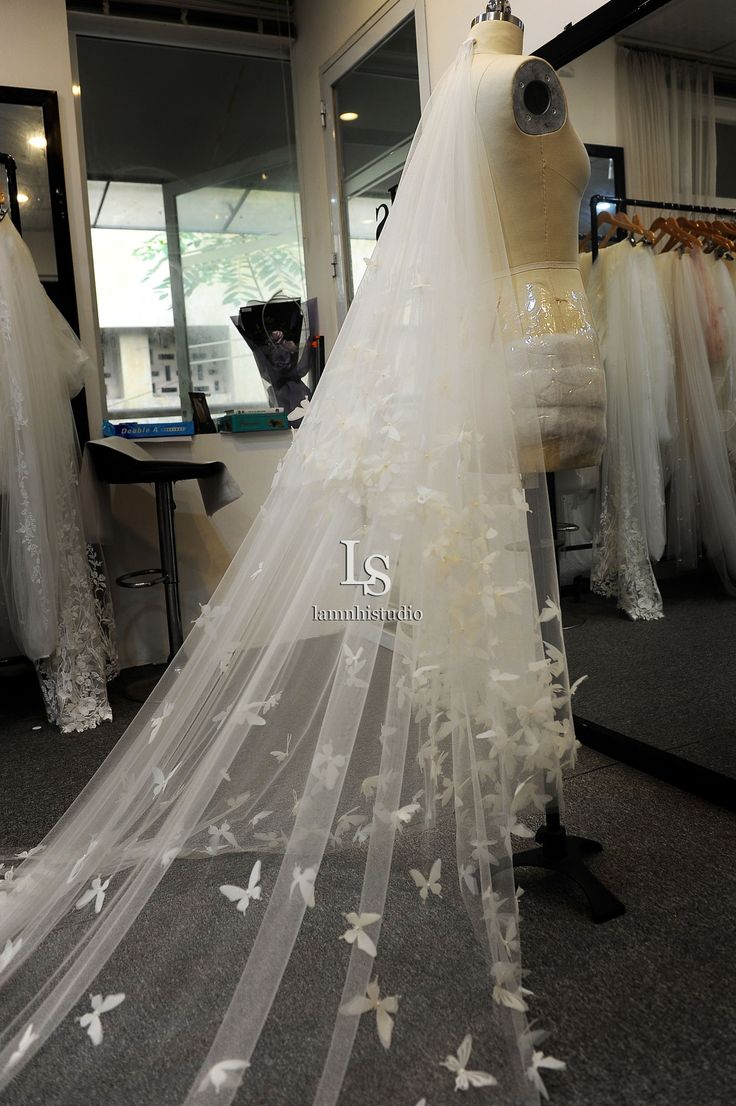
{"x": 277, "y": 732}
{"x": 633, "y": 330}
{"x": 666, "y": 108}
{"x": 57, "y": 599}
{"x": 702, "y": 504}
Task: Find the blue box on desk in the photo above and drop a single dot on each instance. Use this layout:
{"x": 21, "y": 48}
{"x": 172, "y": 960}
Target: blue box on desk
{"x": 177, "y": 429}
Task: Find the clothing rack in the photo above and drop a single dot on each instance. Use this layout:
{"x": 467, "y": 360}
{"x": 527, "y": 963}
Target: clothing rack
{"x": 705, "y": 782}
{"x": 8, "y": 164}
{"x": 662, "y": 205}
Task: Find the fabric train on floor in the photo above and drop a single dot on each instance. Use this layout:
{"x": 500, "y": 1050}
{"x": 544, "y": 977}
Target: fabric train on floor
{"x": 55, "y": 586}
{"x": 284, "y": 751}
{"x": 667, "y": 328}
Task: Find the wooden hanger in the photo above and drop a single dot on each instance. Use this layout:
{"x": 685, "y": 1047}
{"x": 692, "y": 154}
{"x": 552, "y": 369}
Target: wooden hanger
{"x": 616, "y": 221}
{"x": 706, "y": 231}
{"x": 678, "y": 235}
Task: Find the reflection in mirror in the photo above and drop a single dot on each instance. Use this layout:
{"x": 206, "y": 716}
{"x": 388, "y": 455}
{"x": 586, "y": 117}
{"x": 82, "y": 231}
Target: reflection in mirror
{"x": 23, "y": 136}
{"x": 377, "y": 109}
{"x": 189, "y": 222}
{"x": 649, "y": 540}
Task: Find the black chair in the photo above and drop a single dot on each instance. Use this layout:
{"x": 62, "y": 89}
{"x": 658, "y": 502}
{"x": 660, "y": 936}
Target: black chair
{"x": 115, "y": 467}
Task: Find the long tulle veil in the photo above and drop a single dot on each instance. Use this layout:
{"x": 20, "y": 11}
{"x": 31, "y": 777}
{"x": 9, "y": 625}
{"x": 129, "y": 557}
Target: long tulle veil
{"x": 280, "y": 730}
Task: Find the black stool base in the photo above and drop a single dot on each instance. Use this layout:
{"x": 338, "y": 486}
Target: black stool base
{"x": 565, "y": 854}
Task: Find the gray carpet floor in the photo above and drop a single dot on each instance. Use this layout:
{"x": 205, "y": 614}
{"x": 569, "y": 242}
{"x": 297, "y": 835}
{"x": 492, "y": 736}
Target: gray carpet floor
{"x": 641, "y": 1008}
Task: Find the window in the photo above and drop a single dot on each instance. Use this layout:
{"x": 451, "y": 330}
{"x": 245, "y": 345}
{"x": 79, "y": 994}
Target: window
{"x": 194, "y": 206}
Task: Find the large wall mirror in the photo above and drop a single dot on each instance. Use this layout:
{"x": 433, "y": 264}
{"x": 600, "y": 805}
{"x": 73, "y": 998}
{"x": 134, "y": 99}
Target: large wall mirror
{"x": 372, "y": 99}
{"x": 30, "y": 134}
{"x": 652, "y": 90}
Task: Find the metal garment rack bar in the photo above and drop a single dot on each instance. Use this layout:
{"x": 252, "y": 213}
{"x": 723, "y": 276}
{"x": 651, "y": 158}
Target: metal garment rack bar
{"x": 661, "y": 205}
{"x": 663, "y": 764}
{"x": 8, "y": 164}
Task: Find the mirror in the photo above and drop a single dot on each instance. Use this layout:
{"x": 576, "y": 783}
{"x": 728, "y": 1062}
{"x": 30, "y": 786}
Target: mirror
{"x": 30, "y": 134}
{"x": 377, "y": 110}
{"x": 23, "y": 136}
{"x": 660, "y": 692}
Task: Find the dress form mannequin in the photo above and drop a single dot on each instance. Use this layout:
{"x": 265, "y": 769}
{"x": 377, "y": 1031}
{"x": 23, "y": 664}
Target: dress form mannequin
{"x": 541, "y": 169}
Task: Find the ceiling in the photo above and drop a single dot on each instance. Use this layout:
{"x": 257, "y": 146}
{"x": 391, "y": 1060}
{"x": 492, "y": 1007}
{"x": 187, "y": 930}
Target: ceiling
{"x": 260, "y": 16}
{"x": 707, "y": 28}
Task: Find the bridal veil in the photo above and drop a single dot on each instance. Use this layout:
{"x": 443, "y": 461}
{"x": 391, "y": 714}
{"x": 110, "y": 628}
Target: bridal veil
{"x": 287, "y": 742}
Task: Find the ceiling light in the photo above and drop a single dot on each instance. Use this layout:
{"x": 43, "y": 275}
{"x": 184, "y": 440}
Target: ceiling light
{"x": 348, "y": 116}
{"x": 38, "y": 142}
{"x": 264, "y": 176}
{"x": 22, "y": 198}
{"x": 76, "y": 90}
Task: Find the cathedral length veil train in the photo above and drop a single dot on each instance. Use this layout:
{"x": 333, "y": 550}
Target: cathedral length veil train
{"x": 276, "y": 732}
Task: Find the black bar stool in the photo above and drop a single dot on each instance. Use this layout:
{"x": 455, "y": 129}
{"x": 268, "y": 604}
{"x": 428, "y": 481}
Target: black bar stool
{"x": 115, "y": 467}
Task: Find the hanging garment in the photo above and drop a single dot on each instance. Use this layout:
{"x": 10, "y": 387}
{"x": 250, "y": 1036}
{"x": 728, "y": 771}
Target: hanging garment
{"x": 55, "y": 587}
{"x": 702, "y": 503}
{"x": 630, "y": 317}
{"x": 723, "y": 365}
{"x": 262, "y": 788}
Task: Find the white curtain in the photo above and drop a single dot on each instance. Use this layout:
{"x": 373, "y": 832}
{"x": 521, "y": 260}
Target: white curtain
{"x": 666, "y": 111}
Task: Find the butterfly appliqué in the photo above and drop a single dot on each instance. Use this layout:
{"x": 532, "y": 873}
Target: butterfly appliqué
{"x": 92, "y": 1021}
{"x": 465, "y": 1079}
{"x": 430, "y": 883}
{"x": 243, "y": 896}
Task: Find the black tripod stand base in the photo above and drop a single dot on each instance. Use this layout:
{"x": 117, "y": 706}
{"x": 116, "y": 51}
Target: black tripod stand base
{"x": 561, "y": 853}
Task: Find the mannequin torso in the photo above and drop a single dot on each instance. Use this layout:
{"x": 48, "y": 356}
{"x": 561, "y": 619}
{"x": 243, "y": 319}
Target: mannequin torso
{"x": 540, "y": 169}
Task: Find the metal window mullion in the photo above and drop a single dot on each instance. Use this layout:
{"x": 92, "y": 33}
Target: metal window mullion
{"x": 178, "y": 301}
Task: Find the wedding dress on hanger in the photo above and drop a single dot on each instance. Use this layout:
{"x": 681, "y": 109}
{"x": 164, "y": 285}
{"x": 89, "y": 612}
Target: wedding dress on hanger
{"x": 702, "y": 503}
{"x": 630, "y": 317}
{"x": 284, "y": 753}
{"x": 724, "y": 371}
{"x": 55, "y": 587}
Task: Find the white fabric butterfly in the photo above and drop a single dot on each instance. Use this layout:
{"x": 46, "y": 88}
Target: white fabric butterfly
{"x": 218, "y": 1074}
{"x": 156, "y": 722}
{"x": 244, "y": 895}
{"x": 549, "y": 611}
{"x": 304, "y": 880}
{"x": 431, "y": 883}
{"x": 12, "y": 947}
{"x": 29, "y": 852}
{"x": 357, "y": 935}
{"x": 506, "y": 973}
{"x": 465, "y": 1079}
{"x": 92, "y": 1021}
{"x": 279, "y": 755}
{"x": 95, "y": 893}
{"x": 384, "y": 1008}
{"x": 299, "y": 412}
{"x": 404, "y": 814}
{"x": 23, "y": 1045}
{"x": 160, "y": 781}
{"x": 539, "y": 1060}
{"x": 218, "y": 834}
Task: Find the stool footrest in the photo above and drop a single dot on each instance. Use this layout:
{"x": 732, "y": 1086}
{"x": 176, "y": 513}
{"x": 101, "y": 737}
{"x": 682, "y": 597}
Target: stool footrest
{"x": 133, "y": 579}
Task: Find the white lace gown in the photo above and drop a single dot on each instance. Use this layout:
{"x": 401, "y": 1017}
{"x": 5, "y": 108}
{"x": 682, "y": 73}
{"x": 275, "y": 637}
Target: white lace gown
{"x": 55, "y": 586}
{"x": 630, "y": 316}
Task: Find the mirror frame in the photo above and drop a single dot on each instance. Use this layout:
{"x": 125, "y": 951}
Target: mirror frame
{"x": 600, "y": 25}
